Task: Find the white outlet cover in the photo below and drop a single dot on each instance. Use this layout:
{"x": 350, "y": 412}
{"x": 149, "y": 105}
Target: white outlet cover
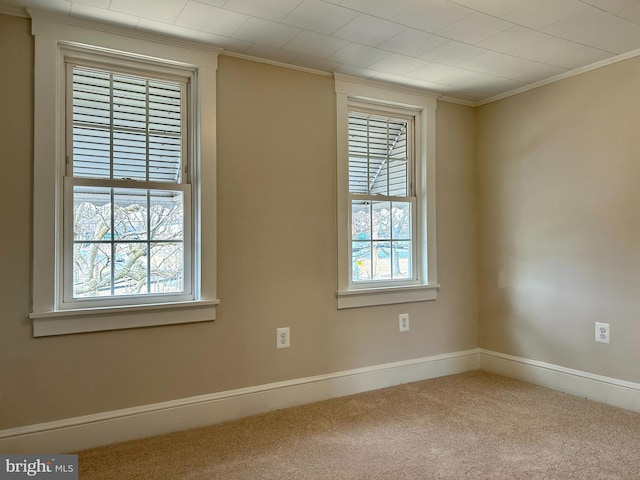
{"x": 403, "y": 320}
{"x": 603, "y": 332}
{"x": 283, "y": 337}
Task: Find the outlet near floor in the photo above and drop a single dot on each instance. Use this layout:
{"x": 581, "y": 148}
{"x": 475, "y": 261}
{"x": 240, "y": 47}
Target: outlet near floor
{"x": 603, "y": 332}
{"x": 283, "y": 337}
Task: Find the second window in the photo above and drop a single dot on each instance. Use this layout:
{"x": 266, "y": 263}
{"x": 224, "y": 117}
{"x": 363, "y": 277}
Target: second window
{"x": 381, "y": 196}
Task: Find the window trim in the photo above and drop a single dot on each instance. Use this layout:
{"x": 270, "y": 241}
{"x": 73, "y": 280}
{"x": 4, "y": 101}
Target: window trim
{"x": 351, "y": 90}
{"x": 54, "y": 34}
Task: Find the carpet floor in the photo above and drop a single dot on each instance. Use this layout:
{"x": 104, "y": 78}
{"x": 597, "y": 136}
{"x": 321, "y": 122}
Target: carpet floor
{"x": 474, "y": 425}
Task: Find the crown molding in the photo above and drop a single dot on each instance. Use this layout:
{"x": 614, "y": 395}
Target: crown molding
{"x": 275, "y": 63}
{"x": 562, "y": 76}
{"x": 457, "y": 101}
{"x": 37, "y": 14}
{"x": 14, "y": 11}
{"x": 340, "y": 77}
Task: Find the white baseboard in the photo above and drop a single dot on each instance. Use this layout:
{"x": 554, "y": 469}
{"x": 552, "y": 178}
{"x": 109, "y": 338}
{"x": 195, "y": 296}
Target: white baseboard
{"x": 94, "y": 430}
{"x": 104, "y": 428}
{"x": 611, "y": 391}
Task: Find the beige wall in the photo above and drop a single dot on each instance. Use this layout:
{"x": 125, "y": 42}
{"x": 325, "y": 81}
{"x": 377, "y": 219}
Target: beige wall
{"x": 559, "y": 216}
{"x": 277, "y": 258}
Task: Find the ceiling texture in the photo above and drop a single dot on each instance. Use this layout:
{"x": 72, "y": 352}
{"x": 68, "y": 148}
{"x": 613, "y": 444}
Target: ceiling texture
{"x": 471, "y": 50}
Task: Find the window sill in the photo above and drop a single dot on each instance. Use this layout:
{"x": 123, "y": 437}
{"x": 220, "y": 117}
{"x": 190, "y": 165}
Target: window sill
{"x": 386, "y": 296}
{"x": 63, "y": 322}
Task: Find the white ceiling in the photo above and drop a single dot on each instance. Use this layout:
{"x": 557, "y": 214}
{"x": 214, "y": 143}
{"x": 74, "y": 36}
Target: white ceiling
{"x": 472, "y": 50}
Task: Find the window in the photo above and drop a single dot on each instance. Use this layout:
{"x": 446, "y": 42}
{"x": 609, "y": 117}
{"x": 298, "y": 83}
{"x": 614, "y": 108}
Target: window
{"x": 122, "y": 177}
{"x": 381, "y": 197}
{"x": 126, "y": 213}
{"x": 386, "y": 194}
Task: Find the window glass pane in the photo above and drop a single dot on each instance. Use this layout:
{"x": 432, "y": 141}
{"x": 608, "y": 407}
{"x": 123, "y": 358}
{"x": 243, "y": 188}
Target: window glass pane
{"x": 167, "y": 215}
{"x": 130, "y": 214}
{"x": 397, "y": 178}
{"x": 129, "y": 155}
{"x": 130, "y": 269}
{"x": 401, "y": 261}
{"x": 91, "y": 123}
{"x": 398, "y": 139}
{"x": 91, "y": 213}
{"x": 164, "y": 107}
{"x": 358, "y": 175}
{"x": 381, "y": 221}
{"x": 360, "y": 220}
{"x": 91, "y": 269}
{"x": 401, "y": 220}
{"x": 91, "y": 152}
{"x": 167, "y": 267}
{"x": 361, "y": 261}
{"x": 381, "y": 260}
{"x": 91, "y": 98}
{"x": 377, "y": 183}
{"x": 129, "y": 103}
{"x": 164, "y": 155}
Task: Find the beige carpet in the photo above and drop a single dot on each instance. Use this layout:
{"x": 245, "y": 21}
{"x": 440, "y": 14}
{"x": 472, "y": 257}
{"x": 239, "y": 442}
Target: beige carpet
{"x": 470, "y": 426}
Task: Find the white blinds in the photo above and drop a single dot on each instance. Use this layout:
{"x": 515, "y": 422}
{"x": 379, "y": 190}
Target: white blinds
{"x": 378, "y": 155}
{"x": 126, "y": 127}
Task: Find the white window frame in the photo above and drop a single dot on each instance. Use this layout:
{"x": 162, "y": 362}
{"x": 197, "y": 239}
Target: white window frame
{"x": 389, "y": 99}
{"x": 57, "y": 38}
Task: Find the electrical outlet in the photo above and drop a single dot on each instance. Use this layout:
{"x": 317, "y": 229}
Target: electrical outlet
{"x": 603, "y": 332}
{"x": 404, "y": 322}
{"x": 283, "y": 337}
